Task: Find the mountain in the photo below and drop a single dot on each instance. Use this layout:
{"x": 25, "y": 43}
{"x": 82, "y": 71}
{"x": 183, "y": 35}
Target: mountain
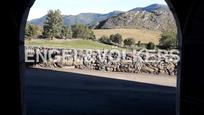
{"x": 38, "y": 21}
{"x": 152, "y": 7}
{"x": 153, "y": 17}
{"x": 82, "y": 18}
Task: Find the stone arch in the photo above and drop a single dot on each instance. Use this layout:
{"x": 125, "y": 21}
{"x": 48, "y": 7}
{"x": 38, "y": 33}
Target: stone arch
{"x": 179, "y": 37}
{"x": 190, "y": 17}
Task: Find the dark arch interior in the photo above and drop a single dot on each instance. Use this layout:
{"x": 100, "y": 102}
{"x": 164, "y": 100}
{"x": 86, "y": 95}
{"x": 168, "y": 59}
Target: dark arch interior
{"x": 190, "y": 18}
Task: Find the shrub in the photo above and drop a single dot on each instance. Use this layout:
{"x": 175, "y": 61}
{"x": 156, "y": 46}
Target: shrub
{"x": 117, "y": 38}
{"x": 168, "y": 40}
{"x": 66, "y": 32}
{"x": 81, "y": 31}
{"x": 31, "y": 31}
{"x": 150, "y": 45}
{"x": 105, "y": 39}
{"x": 129, "y": 42}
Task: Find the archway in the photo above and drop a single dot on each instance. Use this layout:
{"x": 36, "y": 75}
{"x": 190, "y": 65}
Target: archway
{"x": 185, "y": 14}
{"x": 177, "y": 22}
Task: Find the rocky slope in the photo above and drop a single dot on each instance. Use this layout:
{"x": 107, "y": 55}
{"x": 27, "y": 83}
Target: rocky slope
{"x": 153, "y": 17}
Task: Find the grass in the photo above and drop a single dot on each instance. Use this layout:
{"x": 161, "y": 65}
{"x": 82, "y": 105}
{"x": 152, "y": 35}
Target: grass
{"x": 75, "y": 43}
{"x": 144, "y": 36}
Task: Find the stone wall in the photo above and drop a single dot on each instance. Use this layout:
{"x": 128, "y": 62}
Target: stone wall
{"x": 81, "y": 60}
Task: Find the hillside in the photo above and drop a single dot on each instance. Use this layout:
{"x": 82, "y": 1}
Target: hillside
{"x": 82, "y": 18}
{"x": 142, "y": 35}
{"x": 153, "y": 17}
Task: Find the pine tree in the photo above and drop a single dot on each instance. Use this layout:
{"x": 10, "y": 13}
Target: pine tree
{"x": 53, "y": 24}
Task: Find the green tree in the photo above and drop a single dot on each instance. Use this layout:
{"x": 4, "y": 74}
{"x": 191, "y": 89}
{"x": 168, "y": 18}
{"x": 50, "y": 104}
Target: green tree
{"x": 30, "y": 31}
{"x": 168, "y": 40}
{"x": 105, "y": 39}
{"x": 81, "y": 31}
{"x": 53, "y": 24}
{"x": 117, "y": 38}
{"x": 66, "y": 32}
{"x": 129, "y": 42}
{"x": 150, "y": 45}
{"x": 90, "y": 34}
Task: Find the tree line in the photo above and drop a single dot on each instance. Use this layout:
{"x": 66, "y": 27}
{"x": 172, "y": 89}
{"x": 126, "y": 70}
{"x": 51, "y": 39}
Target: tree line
{"x": 54, "y": 27}
{"x": 168, "y": 40}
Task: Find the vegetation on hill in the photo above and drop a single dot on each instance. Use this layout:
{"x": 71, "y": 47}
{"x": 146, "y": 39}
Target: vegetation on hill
{"x": 145, "y": 36}
{"x": 154, "y": 17}
{"x": 54, "y": 28}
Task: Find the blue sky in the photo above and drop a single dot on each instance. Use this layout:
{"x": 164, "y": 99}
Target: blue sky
{"x": 74, "y": 7}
